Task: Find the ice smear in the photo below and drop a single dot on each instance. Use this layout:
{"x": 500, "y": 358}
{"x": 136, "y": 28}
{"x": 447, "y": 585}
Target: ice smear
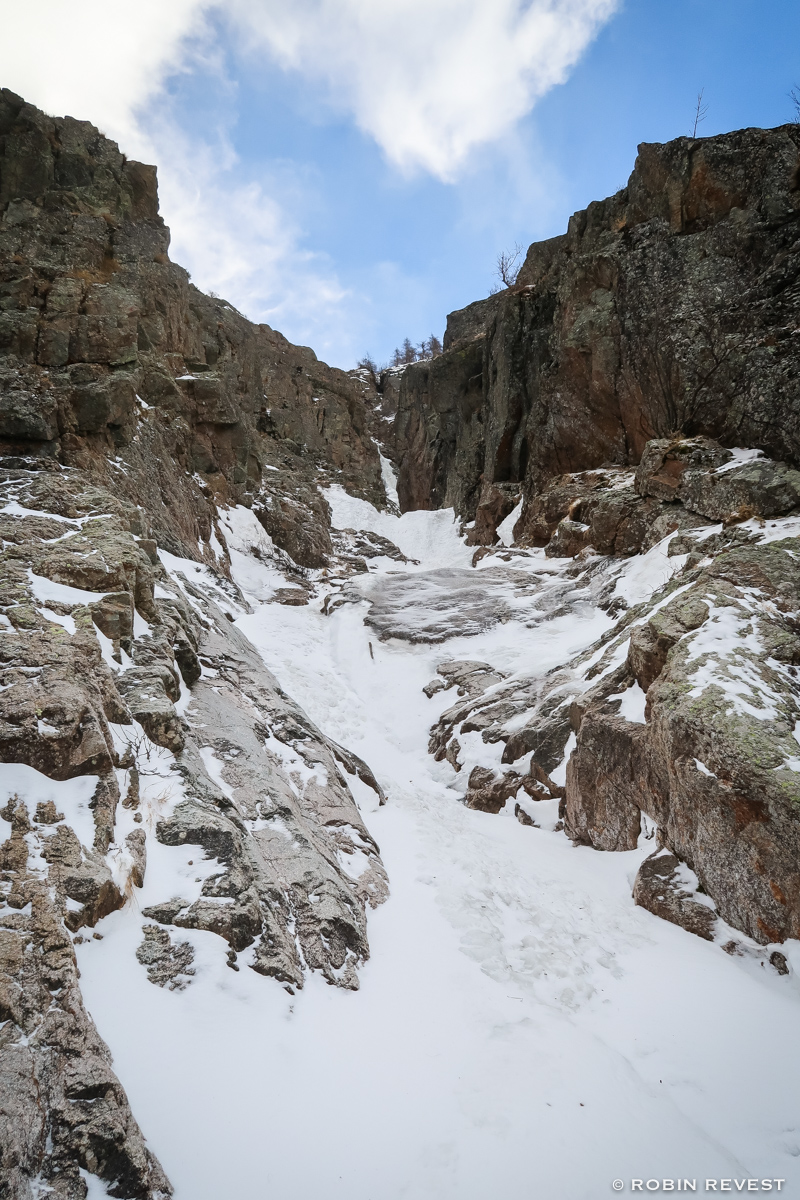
{"x": 644, "y": 574}
{"x": 214, "y": 768}
{"x": 522, "y": 1027}
{"x": 95, "y": 1188}
{"x": 718, "y": 645}
{"x": 389, "y": 478}
{"x": 429, "y": 537}
{"x": 740, "y": 458}
{"x": 67, "y": 623}
{"x": 252, "y": 553}
{"x": 632, "y": 704}
{"x": 186, "y": 570}
{"x": 505, "y": 530}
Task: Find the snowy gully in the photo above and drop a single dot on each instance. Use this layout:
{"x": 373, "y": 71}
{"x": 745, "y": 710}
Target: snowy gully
{"x": 518, "y": 1011}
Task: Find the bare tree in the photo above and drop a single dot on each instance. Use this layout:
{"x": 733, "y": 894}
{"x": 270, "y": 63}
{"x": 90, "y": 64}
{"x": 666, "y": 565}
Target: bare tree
{"x": 508, "y": 265}
{"x": 429, "y": 348}
{"x": 700, "y": 112}
{"x": 794, "y": 96}
{"x": 368, "y": 364}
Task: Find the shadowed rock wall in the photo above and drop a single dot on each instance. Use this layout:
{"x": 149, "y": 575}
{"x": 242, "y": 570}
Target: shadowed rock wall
{"x": 671, "y": 306}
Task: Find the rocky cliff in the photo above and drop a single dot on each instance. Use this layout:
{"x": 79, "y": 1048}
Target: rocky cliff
{"x": 659, "y": 333}
{"x": 110, "y": 353}
{"x": 164, "y": 467}
{"x": 671, "y": 306}
{"x": 134, "y": 410}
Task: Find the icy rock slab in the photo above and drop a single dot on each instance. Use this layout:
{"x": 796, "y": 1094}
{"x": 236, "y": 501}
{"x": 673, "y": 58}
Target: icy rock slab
{"x": 265, "y": 797}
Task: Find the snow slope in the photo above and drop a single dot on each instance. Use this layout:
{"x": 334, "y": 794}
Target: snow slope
{"x": 522, "y": 1029}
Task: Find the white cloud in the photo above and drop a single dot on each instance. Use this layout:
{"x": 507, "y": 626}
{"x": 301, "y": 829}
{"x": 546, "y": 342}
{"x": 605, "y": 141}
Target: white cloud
{"x": 429, "y": 80}
{"x": 97, "y": 60}
{"x": 240, "y": 243}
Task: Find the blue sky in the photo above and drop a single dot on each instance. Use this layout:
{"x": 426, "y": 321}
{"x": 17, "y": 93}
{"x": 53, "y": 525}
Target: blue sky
{"x": 352, "y": 214}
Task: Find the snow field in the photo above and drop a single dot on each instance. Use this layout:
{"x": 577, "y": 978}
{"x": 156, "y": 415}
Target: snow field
{"x": 522, "y": 1029}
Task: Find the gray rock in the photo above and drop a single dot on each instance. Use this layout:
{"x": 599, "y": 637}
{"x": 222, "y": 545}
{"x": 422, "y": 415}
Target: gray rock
{"x": 713, "y": 763}
{"x": 63, "y": 1108}
{"x": 707, "y": 480}
{"x": 168, "y": 964}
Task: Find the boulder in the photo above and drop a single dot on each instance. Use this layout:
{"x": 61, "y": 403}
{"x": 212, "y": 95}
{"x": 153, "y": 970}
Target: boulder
{"x": 712, "y": 760}
{"x": 661, "y": 889}
{"x": 488, "y": 793}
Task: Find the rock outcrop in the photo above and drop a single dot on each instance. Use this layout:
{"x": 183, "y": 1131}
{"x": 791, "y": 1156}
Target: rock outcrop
{"x": 604, "y": 399}
{"x": 713, "y": 757}
{"x": 63, "y": 1112}
{"x": 671, "y": 306}
{"x": 111, "y": 361}
{"x": 660, "y": 888}
{"x": 685, "y": 711}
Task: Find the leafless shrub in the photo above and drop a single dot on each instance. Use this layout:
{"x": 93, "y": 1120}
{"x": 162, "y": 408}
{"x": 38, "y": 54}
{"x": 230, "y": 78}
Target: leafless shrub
{"x": 700, "y": 112}
{"x": 368, "y": 364}
{"x": 794, "y": 96}
{"x": 429, "y": 347}
{"x": 508, "y": 266}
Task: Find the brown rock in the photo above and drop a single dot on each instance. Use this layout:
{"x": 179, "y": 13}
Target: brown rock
{"x": 662, "y": 310}
{"x": 659, "y": 889}
{"x": 487, "y": 792}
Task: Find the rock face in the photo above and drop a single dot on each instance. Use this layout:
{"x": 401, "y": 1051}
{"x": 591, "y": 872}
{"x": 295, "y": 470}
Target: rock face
{"x": 669, "y": 307}
{"x": 660, "y": 889}
{"x": 98, "y": 647}
{"x": 150, "y": 434}
{"x": 713, "y": 760}
{"x": 108, "y": 354}
{"x": 61, "y": 1106}
{"x": 603, "y": 393}
{"x": 686, "y": 711}
{"x": 266, "y": 798}
{"x": 134, "y": 411}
